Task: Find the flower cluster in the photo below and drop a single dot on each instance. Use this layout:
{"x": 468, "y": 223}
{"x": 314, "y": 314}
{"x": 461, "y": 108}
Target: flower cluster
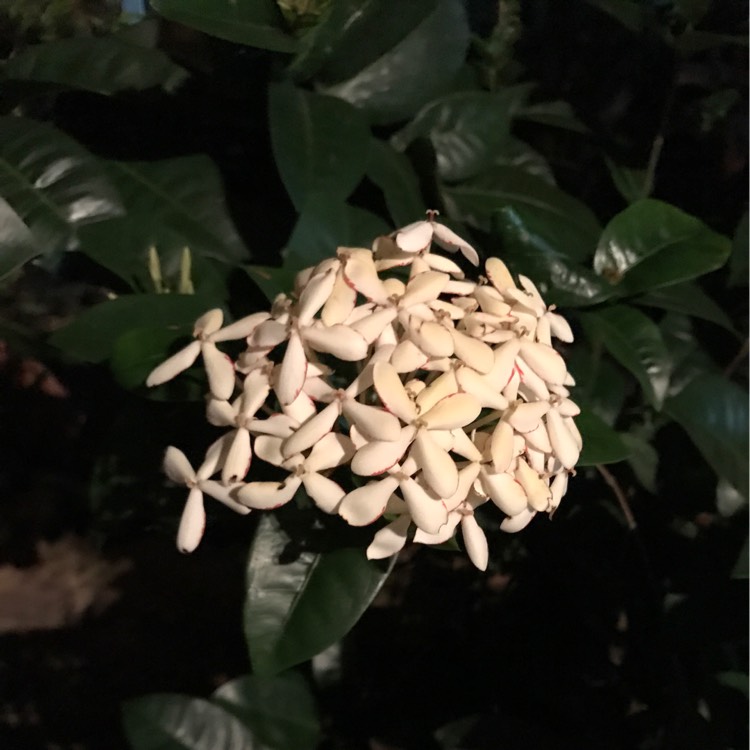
{"x": 437, "y": 393}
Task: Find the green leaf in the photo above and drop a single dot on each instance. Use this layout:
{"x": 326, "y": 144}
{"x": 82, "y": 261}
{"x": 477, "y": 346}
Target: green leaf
{"x": 320, "y": 144}
{"x": 168, "y": 721}
{"x": 740, "y": 571}
{"x": 714, "y": 413}
{"x": 398, "y": 83}
{"x": 393, "y": 173}
{"x": 257, "y": 23}
{"x": 294, "y": 609}
{"x": 17, "y": 244}
{"x": 738, "y": 263}
{"x": 689, "y": 299}
{"x": 653, "y": 244}
{"x": 272, "y": 280}
{"x": 280, "y": 710}
{"x": 601, "y": 444}
{"x": 635, "y": 341}
{"x": 643, "y": 460}
{"x": 630, "y": 14}
{"x": 104, "y": 65}
{"x": 632, "y": 184}
{"x": 466, "y": 130}
{"x": 92, "y": 336}
{"x": 732, "y": 679}
{"x": 170, "y": 204}
{"x": 52, "y": 183}
{"x": 557, "y": 114}
{"x": 519, "y": 155}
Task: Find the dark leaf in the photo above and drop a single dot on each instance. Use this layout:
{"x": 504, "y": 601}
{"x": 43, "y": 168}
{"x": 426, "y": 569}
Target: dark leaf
{"x": 629, "y": 13}
{"x": 295, "y": 609}
{"x": 740, "y": 570}
{"x": 557, "y": 114}
{"x": 601, "y": 444}
{"x": 630, "y": 183}
{"x": 17, "y": 245}
{"x": 519, "y": 155}
{"x": 738, "y": 263}
{"x": 643, "y": 460}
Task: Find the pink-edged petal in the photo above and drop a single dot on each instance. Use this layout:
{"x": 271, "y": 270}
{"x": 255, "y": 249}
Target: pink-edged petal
{"x": 220, "y": 371}
{"x": 564, "y": 445}
{"x": 379, "y": 456}
{"x": 545, "y": 361}
{"x": 518, "y": 522}
{"x": 176, "y": 364}
{"x": 479, "y": 386}
{"x": 415, "y": 237}
{"x": 360, "y": 273}
{"x": 315, "y": 294}
{"x": 290, "y": 377}
{"x": 269, "y": 495}
{"x": 333, "y": 450}
{"x": 340, "y": 304}
{"x": 372, "y": 326}
{"x": 407, "y": 356}
{"x": 269, "y": 334}
{"x": 339, "y": 340}
{"x": 505, "y": 359}
{"x": 443, "y": 264}
{"x": 560, "y": 327}
{"x": 460, "y": 287}
{"x": 443, "y": 385}
{"x": 177, "y": 467}
{"x": 277, "y": 425}
{"x": 574, "y": 431}
{"x": 220, "y": 413}
{"x": 318, "y": 389}
{"x": 491, "y": 301}
{"x": 392, "y": 393}
{"x": 475, "y": 542}
{"x": 325, "y": 493}
{"x": 301, "y": 409}
{"x": 208, "y": 323}
{"x": 372, "y": 421}
{"x": 538, "y": 438}
{"x": 568, "y": 408}
{"x": 535, "y": 487}
{"x": 498, "y": 274}
{"x": 505, "y": 492}
{"x": 223, "y": 494}
{"x": 268, "y": 449}
{"x": 313, "y": 430}
{"x": 427, "y": 512}
{"x": 466, "y": 478}
{"x": 192, "y": 523}
{"x": 366, "y": 504}
{"x": 237, "y": 462}
{"x": 445, "y": 532}
{"x": 424, "y": 287}
{"x": 473, "y": 352}
{"x": 543, "y": 333}
{"x": 390, "y": 539}
{"x": 449, "y": 240}
{"x": 511, "y": 389}
{"x": 241, "y": 328}
{"x": 501, "y": 446}
{"x": 255, "y": 390}
{"x": 215, "y": 457}
{"x": 456, "y": 410}
{"x": 463, "y": 446}
{"x": 438, "y": 469}
{"x": 532, "y": 383}
{"x": 432, "y": 338}
{"x": 525, "y": 417}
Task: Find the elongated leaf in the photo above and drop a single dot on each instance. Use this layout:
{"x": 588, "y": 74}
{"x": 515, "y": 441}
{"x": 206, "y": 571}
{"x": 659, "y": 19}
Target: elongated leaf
{"x": 601, "y": 444}
{"x": 653, "y": 244}
{"x": 739, "y": 262}
{"x": 635, "y": 341}
{"x": 52, "y": 183}
{"x": 741, "y": 571}
{"x": 630, "y": 183}
{"x": 295, "y": 609}
{"x": 168, "y": 721}
{"x": 398, "y": 83}
{"x": 714, "y": 412}
{"x": 394, "y": 175}
{"x": 280, "y": 710}
{"x": 104, "y": 65}
{"x": 466, "y": 129}
{"x": 320, "y": 144}
{"x": 257, "y": 23}
{"x": 92, "y": 335}
{"x": 520, "y": 155}
{"x": 629, "y": 13}
{"x": 557, "y": 114}
{"x": 17, "y": 245}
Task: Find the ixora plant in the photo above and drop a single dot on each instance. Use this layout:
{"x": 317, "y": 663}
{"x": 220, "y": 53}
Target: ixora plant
{"x": 425, "y": 393}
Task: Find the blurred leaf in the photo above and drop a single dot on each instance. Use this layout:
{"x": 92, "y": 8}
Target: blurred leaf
{"x": 696, "y": 40}
{"x": 630, "y": 14}
{"x": 466, "y": 129}
{"x": 17, "y": 244}
{"x": 630, "y": 183}
{"x": 714, "y": 413}
{"x": 692, "y": 11}
{"x": 689, "y": 299}
{"x": 653, "y": 244}
{"x": 280, "y": 710}
{"x": 519, "y": 155}
{"x": 601, "y": 444}
{"x": 92, "y": 336}
{"x": 272, "y": 280}
{"x": 736, "y": 680}
{"x": 170, "y": 204}
{"x": 557, "y": 114}
{"x": 393, "y": 173}
{"x": 600, "y": 383}
{"x": 741, "y": 571}
{"x": 738, "y": 263}
{"x": 395, "y": 86}
{"x": 320, "y": 144}
{"x": 257, "y": 23}
{"x": 643, "y": 459}
{"x": 52, "y": 183}
{"x": 295, "y": 609}
{"x": 728, "y": 500}
{"x": 104, "y": 65}
{"x": 364, "y": 227}
{"x": 635, "y": 341}
{"x": 167, "y": 721}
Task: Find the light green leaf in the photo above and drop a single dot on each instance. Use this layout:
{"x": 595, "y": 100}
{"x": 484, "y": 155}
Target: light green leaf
{"x": 294, "y": 609}
{"x": 653, "y": 244}
{"x": 601, "y": 444}
{"x": 279, "y": 710}
{"x": 17, "y": 245}
{"x": 714, "y": 413}
{"x": 101, "y": 64}
{"x": 557, "y": 114}
{"x": 320, "y": 144}
{"x": 635, "y": 341}
{"x": 257, "y": 23}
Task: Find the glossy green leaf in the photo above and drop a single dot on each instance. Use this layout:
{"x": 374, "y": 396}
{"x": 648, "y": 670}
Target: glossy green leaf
{"x": 557, "y": 114}
{"x": 393, "y": 173}
{"x": 714, "y": 413}
{"x": 91, "y": 337}
{"x": 601, "y": 444}
{"x": 398, "y": 83}
{"x": 635, "y": 341}
{"x": 653, "y": 244}
{"x": 17, "y": 245}
{"x": 320, "y": 144}
{"x": 101, "y": 64}
{"x": 466, "y": 130}
{"x": 689, "y": 299}
{"x": 52, "y": 183}
{"x": 296, "y": 608}
{"x": 257, "y": 23}
{"x": 168, "y": 721}
{"x": 738, "y": 263}
{"x": 279, "y": 709}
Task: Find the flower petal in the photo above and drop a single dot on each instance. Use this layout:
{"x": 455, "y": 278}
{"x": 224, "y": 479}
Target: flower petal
{"x": 438, "y": 469}
{"x": 366, "y": 504}
{"x": 501, "y": 446}
{"x": 241, "y": 328}
{"x": 478, "y": 386}
{"x": 390, "y": 539}
{"x": 340, "y": 303}
{"x": 374, "y": 324}
{"x": 313, "y": 430}
{"x": 325, "y": 493}
{"x": 339, "y": 340}
{"x": 407, "y": 356}
{"x": 192, "y": 523}
{"x": 360, "y": 273}
{"x": 268, "y": 449}
{"x": 473, "y": 352}
{"x": 424, "y": 287}
{"x": 518, "y": 522}
{"x": 301, "y": 409}
{"x": 278, "y": 425}
{"x": 558, "y": 488}
{"x": 315, "y": 294}
{"x": 443, "y": 264}
{"x": 379, "y": 456}
{"x": 443, "y": 385}
{"x": 331, "y": 451}
{"x": 445, "y": 532}
{"x": 415, "y": 237}
{"x": 269, "y": 334}
{"x": 504, "y": 491}
{"x": 427, "y": 512}
{"x": 475, "y": 542}
{"x": 560, "y": 327}
{"x": 176, "y": 364}
{"x": 545, "y": 361}
{"x": 525, "y": 417}
{"x": 220, "y": 413}
{"x": 290, "y": 377}
{"x": 537, "y": 490}
{"x": 449, "y": 240}
{"x": 238, "y": 458}
{"x": 463, "y": 446}
{"x": 269, "y": 495}
{"x": 220, "y": 371}
{"x": 255, "y": 390}
{"x": 392, "y": 393}
{"x": 177, "y": 467}
{"x": 505, "y": 359}
{"x": 219, "y": 492}
{"x": 456, "y": 410}
{"x": 498, "y": 274}
{"x": 432, "y": 338}
{"x": 563, "y": 443}
{"x": 372, "y": 421}
{"x": 538, "y": 438}
{"x": 208, "y": 323}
